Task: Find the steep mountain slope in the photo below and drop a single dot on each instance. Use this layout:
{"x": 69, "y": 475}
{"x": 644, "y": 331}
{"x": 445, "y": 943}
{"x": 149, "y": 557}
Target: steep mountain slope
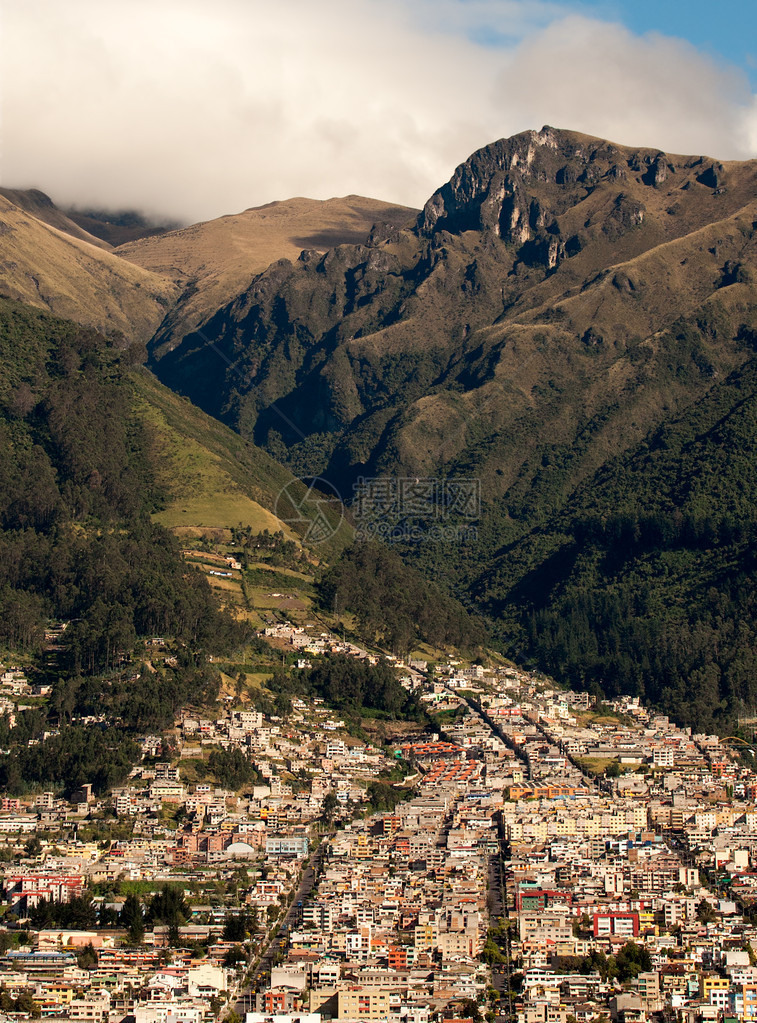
{"x": 646, "y": 580}
{"x": 41, "y": 206}
{"x": 46, "y": 267}
{"x": 65, "y": 260}
{"x": 560, "y": 305}
{"x": 215, "y": 260}
{"x": 207, "y": 475}
{"x": 518, "y": 322}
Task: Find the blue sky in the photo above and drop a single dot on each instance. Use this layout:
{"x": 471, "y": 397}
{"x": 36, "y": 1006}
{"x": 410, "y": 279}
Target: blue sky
{"x": 726, "y": 29}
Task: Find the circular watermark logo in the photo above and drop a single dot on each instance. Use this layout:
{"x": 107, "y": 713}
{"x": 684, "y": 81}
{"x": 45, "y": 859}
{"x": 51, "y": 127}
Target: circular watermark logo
{"x": 313, "y": 508}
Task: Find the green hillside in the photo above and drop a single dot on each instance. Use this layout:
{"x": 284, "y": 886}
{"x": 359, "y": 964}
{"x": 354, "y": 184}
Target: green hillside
{"x": 208, "y": 477}
{"x": 94, "y": 454}
{"x": 78, "y": 550}
{"x": 646, "y": 583}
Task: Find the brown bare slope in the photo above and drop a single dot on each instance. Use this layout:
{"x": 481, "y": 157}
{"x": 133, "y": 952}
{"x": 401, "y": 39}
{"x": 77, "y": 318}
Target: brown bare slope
{"x": 76, "y": 280}
{"x": 214, "y": 261}
{"x": 41, "y": 206}
{"x": 524, "y": 330}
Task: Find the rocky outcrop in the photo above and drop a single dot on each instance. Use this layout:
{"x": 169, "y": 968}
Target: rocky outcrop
{"x": 519, "y": 188}
{"x": 544, "y": 250}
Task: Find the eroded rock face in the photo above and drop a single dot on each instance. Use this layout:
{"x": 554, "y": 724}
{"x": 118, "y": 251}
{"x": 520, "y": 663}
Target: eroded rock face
{"x": 490, "y": 190}
{"x": 712, "y": 176}
{"x": 627, "y": 213}
{"x": 518, "y": 188}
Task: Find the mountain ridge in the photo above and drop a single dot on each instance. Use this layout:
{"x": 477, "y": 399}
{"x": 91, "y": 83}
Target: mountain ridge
{"x": 215, "y": 260}
{"x": 49, "y": 267}
{"x": 560, "y": 307}
{"x": 556, "y": 303}
{"x": 422, "y": 271}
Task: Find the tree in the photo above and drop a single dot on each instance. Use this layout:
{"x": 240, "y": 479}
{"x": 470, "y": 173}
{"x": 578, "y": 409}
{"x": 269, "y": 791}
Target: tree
{"x": 705, "y": 912}
{"x": 491, "y": 953}
{"x": 235, "y": 927}
{"x": 595, "y": 962}
{"x": 467, "y": 1008}
{"x": 282, "y": 705}
{"x": 86, "y": 959}
{"x": 168, "y": 906}
{"x": 33, "y": 846}
{"x": 328, "y": 806}
{"x": 632, "y": 960}
{"x": 25, "y": 1003}
{"x": 234, "y": 955}
{"x": 232, "y": 768}
{"x": 132, "y": 919}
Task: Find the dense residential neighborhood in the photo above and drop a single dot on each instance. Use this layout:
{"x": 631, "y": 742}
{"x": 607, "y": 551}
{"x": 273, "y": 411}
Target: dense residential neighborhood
{"x": 542, "y": 858}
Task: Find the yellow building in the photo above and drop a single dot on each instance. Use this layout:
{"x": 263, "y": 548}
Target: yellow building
{"x": 363, "y": 1003}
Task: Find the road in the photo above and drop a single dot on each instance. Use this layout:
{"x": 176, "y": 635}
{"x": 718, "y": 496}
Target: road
{"x": 243, "y": 1001}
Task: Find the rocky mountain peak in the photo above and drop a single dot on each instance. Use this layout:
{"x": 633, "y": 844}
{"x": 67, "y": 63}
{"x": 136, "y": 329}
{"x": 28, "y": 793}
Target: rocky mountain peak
{"x": 521, "y": 188}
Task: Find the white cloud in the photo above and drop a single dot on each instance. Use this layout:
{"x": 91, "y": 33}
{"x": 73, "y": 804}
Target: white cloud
{"x": 642, "y": 91}
{"x": 193, "y": 109}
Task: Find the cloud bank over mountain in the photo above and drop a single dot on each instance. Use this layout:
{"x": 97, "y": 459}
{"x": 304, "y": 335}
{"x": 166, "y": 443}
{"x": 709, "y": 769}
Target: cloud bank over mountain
{"x": 193, "y": 110}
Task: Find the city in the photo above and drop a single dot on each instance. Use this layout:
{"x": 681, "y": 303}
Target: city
{"x": 542, "y": 857}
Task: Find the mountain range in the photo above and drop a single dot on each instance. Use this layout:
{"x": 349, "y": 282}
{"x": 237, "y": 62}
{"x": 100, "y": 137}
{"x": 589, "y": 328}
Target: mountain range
{"x": 568, "y": 322}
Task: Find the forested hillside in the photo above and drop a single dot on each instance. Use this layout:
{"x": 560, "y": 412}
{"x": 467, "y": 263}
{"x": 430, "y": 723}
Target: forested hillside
{"x": 394, "y": 604}
{"x": 646, "y": 584}
{"x": 77, "y": 545}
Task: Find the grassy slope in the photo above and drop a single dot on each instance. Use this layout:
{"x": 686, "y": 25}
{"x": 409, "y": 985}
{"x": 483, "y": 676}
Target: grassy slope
{"x": 210, "y": 476}
{"x": 47, "y": 268}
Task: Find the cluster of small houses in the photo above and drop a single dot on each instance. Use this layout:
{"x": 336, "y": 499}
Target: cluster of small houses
{"x": 597, "y": 863}
{"x": 14, "y": 688}
{"x": 661, "y": 851}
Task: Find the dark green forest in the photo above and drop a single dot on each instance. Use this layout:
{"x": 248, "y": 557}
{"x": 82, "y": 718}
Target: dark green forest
{"x": 353, "y": 686}
{"x": 77, "y": 545}
{"x": 646, "y": 583}
{"x": 395, "y": 605}
{"x": 350, "y": 684}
